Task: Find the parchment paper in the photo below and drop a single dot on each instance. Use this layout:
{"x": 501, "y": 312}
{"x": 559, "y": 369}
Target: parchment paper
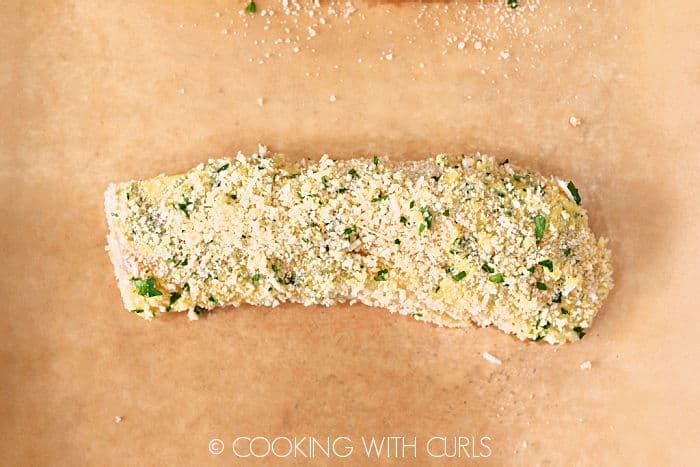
{"x": 101, "y": 91}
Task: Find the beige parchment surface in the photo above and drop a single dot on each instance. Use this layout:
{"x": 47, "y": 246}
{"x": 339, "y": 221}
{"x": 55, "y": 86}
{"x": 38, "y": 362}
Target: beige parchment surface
{"x": 98, "y": 91}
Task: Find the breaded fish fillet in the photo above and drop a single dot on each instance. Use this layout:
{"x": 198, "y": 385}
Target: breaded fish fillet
{"x": 451, "y": 240}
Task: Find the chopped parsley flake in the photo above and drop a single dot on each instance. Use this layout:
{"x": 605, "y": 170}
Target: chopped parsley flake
{"x": 136, "y": 311}
{"x": 381, "y": 275}
{"x": 564, "y": 311}
{"x": 251, "y": 8}
{"x": 540, "y": 223}
{"x": 548, "y": 264}
{"x": 223, "y": 167}
{"x": 486, "y": 267}
{"x": 539, "y": 336}
{"x": 212, "y": 299}
{"x": 459, "y": 276}
{"x": 574, "y": 192}
{"x": 579, "y": 330}
{"x": 557, "y": 299}
{"x": 275, "y": 268}
{"x": 419, "y": 315}
{"x": 380, "y": 198}
{"x": 183, "y": 206}
{"x": 567, "y": 251}
{"x": 352, "y": 172}
{"x": 446, "y": 212}
{"x": 147, "y": 287}
{"x": 174, "y": 297}
{"x": 428, "y": 216}
{"x": 497, "y": 278}
{"x": 541, "y": 286}
{"x": 421, "y": 228}
{"x": 403, "y": 220}
{"x": 531, "y": 269}
{"x": 411, "y": 204}
{"x": 349, "y": 231}
{"x": 256, "y": 277}
{"x": 375, "y": 160}
{"x": 305, "y": 240}
{"x": 397, "y": 242}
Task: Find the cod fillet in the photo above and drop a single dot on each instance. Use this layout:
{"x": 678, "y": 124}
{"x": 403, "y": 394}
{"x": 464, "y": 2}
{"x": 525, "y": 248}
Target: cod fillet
{"x": 453, "y": 240}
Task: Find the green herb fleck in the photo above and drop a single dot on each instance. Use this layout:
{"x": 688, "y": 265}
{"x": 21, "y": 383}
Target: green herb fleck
{"x": 352, "y": 172}
{"x": 324, "y": 181}
{"x": 557, "y": 299}
{"x": 419, "y": 315}
{"x": 256, "y": 277}
{"x": 538, "y": 338}
{"x": 397, "y": 242}
{"x": 548, "y": 264}
{"x": 275, "y": 268}
{"x": 223, "y": 167}
{"x": 349, "y": 231}
{"x": 212, "y": 299}
{"x": 147, "y": 287}
{"x": 567, "y": 251}
{"x": 437, "y": 289}
{"x": 183, "y": 206}
{"x": 564, "y": 311}
{"x": 540, "y": 223}
{"x": 497, "y": 278}
{"x": 174, "y": 297}
{"x": 574, "y": 192}
{"x": 233, "y": 196}
{"x": 486, "y": 267}
{"x": 427, "y": 215}
{"x": 411, "y": 204}
{"x": 541, "y": 286}
{"x": 421, "y": 228}
{"x": 305, "y": 240}
{"x": 186, "y": 286}
{"x": 579, "y": 330}
{"x": 342, "y": 190}
{"x": 380, "y": 198}
{"x": 446, "y": 212}
{"x": 513, "y": 4}
{"x": 199, "y": 310}
{"x": 381, "y": 275}
{"x": 251, "y": 8}
{"x": 531, "y": 269}
{"x": 375, "y": 160}
{"x": 136, "y": 311}
{"x": 459, "y": 276}
{"x": 547, "y": 325}
{"x": 448, "y": 268}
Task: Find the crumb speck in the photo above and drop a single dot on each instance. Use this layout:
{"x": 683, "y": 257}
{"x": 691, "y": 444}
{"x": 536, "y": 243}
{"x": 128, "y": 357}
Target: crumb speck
{"x": 117, "y": 419}
{"x": 490, "y": 358}
{"x": 261, "y": 101}
{"x": 574, "y": 122}
{"x": 586, "y": 365}
{"x": 332, "y": 98}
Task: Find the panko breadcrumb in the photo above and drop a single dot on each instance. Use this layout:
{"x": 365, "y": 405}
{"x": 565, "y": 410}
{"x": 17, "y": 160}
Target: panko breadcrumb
{"x": 453, "y": 240}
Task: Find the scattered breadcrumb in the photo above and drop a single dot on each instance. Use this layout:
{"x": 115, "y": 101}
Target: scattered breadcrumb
{"x": 117, "y": 419}
{"x": 524, "y": 444}
{"x": 586, "y": 365}
{"x": 182, "y": 91}
{"x": 261, "y": 101}
{"x": 574, "y": 122}
{"x": 490, "y": 358}
{"x": 332, "y": 98}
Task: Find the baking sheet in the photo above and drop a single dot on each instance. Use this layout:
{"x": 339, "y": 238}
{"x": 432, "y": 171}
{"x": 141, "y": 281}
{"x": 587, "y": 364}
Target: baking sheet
{"x": 95, "y": 91}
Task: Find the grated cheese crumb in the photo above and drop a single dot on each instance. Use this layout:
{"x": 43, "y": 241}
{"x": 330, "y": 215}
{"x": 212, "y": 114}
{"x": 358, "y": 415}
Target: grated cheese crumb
{"x": 490, "y": 358}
